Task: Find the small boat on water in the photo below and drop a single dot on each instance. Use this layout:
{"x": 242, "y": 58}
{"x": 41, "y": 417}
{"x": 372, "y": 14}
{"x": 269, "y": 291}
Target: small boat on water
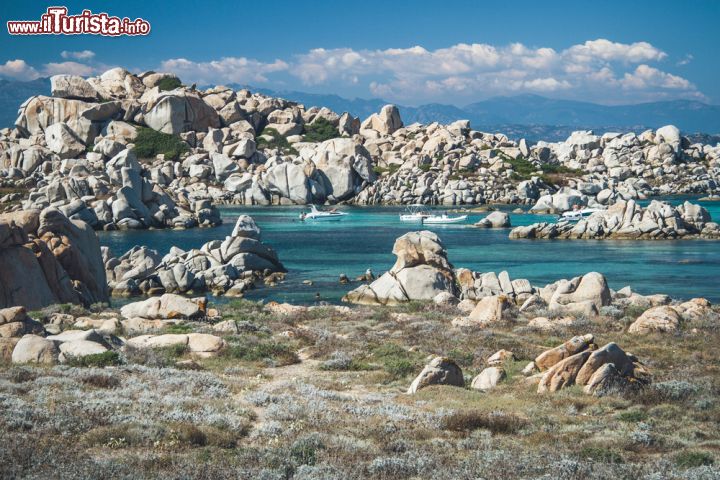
{"x": 443, "y": 219}
{"x": 577, "y": 215}
{"x": 414, "y": 214}
{"x": 321, "y": 215}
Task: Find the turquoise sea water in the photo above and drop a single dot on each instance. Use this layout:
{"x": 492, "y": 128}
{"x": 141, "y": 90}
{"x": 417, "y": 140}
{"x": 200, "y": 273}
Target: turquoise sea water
{"x": 322, "y": 251}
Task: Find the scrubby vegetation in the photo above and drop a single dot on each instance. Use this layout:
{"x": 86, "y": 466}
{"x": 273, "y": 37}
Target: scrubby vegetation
{"x": 320, "y": 130}
{"x": 169, "y": 83}
{"x": 319, "y": 393}
{"x": 150, "y": 143}
{"x": 274, "y": 142}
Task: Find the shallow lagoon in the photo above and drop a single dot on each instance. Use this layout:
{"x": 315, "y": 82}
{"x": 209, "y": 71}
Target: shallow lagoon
{"x": 322, "y": 251}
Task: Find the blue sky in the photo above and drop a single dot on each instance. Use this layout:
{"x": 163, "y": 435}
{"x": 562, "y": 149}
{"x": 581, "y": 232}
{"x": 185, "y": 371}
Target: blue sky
{"x": 407, "y": 52}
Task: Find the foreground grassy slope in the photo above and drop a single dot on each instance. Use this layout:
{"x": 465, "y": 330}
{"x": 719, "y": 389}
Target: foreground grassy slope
{"x": 320, "y": 394}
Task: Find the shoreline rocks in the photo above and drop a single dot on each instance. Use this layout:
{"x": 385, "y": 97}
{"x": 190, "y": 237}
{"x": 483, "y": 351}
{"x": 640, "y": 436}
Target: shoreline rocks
{"x": 629, "y": 221}
{"x": 421, "y": 272}
{"x": 228, "y": 266}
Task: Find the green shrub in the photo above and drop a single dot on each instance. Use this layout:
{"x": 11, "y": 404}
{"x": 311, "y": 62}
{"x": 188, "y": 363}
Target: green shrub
{"x": 304, "y": 450}
{"x": 601, "y": 454}
{"x": 425, "y": 167}
{"x": 253, "y": 350}
{"x": 391, "y": 169}
{"x": 169, "y": 83}
{"x": 320, "y": 130}
{"x": 150, "y": 143}
{"x": 276, "y": 141}
{"x": 395, "y": 360}
{"x": 632, "y": 416}
{"x": 99, "y": 360}
{"x": 691, "y": 459}
{"x": 496, "y": 422}
{"x": 179, "y": 328}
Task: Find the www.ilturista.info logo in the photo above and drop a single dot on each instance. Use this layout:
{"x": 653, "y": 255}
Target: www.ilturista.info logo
{"x": 56, "y": 21}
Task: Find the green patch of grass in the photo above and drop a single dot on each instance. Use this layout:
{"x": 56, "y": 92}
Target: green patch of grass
{"x": 392, "y": 168}
{"x": 320, "y": 130}
{"x": 396, "y": 360}
{"x": 179, "y": 328}
{"x": 601, "y": 454}
{"x": 633, "y": 416}
{"x": 269, "y": 351}
{"x": 304, "y": 450}
{"x": 692, "y": 459}
{"x": 463, "y": 358}
{"x": 276, "y": 141}
{"x": 522, "y": 168}
{"x": 425, "y": 167}
{"x": 100, "y": 360}
{"x": 496, "y": 422}
{"x": 150, "y": 143}
{"x": 169, "y": 83}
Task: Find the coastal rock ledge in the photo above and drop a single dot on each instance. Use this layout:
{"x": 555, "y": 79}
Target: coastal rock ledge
{"x": 626, "y": 220}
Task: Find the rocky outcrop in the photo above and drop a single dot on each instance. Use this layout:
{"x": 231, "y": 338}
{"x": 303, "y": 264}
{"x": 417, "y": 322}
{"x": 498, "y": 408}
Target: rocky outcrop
{"x": 228, "y": 266}
{"x": 421, "y": 272}
{"x": 167, "y": 306}
{"x": 628, "y": 220}
{"x": 495, "y": 220}
{"x": 440, "y": 371}
{"x": 602, "y": 371}
{"x": 201, "y": 345}
{"x": 49, "y": 259}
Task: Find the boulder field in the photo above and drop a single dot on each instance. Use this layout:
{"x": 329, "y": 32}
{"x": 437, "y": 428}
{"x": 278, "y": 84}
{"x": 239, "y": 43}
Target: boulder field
{"x": 89, "y": 149}
{"x": 628, "y": 220}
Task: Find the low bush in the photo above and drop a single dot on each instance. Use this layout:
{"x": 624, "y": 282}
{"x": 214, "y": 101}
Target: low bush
{"x": 275, "y": 142}
{"x": 169, "y": 83}
{"x": 268, "y": 351}
{"x": 100, "y": 380}
{"x": 495, "y": 422}
{"x": 693, "y": 459}
{"x": 396, "y": 361}
{"x": 601, "y": 454}
{"x": 150, "y": 143}
{"x": 99, "y": 360}
{"x": 320, "y": 130}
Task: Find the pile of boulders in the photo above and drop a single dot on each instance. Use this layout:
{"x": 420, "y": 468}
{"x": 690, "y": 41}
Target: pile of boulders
{"x": 421, "y": 272}
{"x": 64, "y": 338}
{"x": 579, "y": 361}
{"x": 628, "y": 220}
{"x": 228, "y": 266}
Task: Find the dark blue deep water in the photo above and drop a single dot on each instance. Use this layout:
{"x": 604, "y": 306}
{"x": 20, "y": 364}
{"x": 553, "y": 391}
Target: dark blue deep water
{"x": 322, "y": 251}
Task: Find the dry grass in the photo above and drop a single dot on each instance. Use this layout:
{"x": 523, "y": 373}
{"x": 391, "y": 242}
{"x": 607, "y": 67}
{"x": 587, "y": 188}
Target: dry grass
{"x": 320, "y": 394}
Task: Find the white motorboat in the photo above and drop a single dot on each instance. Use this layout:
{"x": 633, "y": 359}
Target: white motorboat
{"x": 414, "y": 214}
{"x": 577, "y": 215}
{"x": 443, "y": 219}
{"x": 321, "y": 215}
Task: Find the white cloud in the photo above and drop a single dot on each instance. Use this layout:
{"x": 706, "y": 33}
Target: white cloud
{"x": 645, "y": 77}
{"x": 685, "y": 60}
{"x": 605, "y": 50}
{"x": 68, "y": 68}
{"x": 596, "y": 69}
{"x": 80, "y": 55}
{"x": 18, "y": 70}
{"x": 225, "y": 70}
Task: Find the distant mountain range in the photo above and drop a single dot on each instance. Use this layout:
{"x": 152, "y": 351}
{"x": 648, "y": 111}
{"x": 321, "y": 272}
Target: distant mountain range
{"x": 530, "y": 116}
